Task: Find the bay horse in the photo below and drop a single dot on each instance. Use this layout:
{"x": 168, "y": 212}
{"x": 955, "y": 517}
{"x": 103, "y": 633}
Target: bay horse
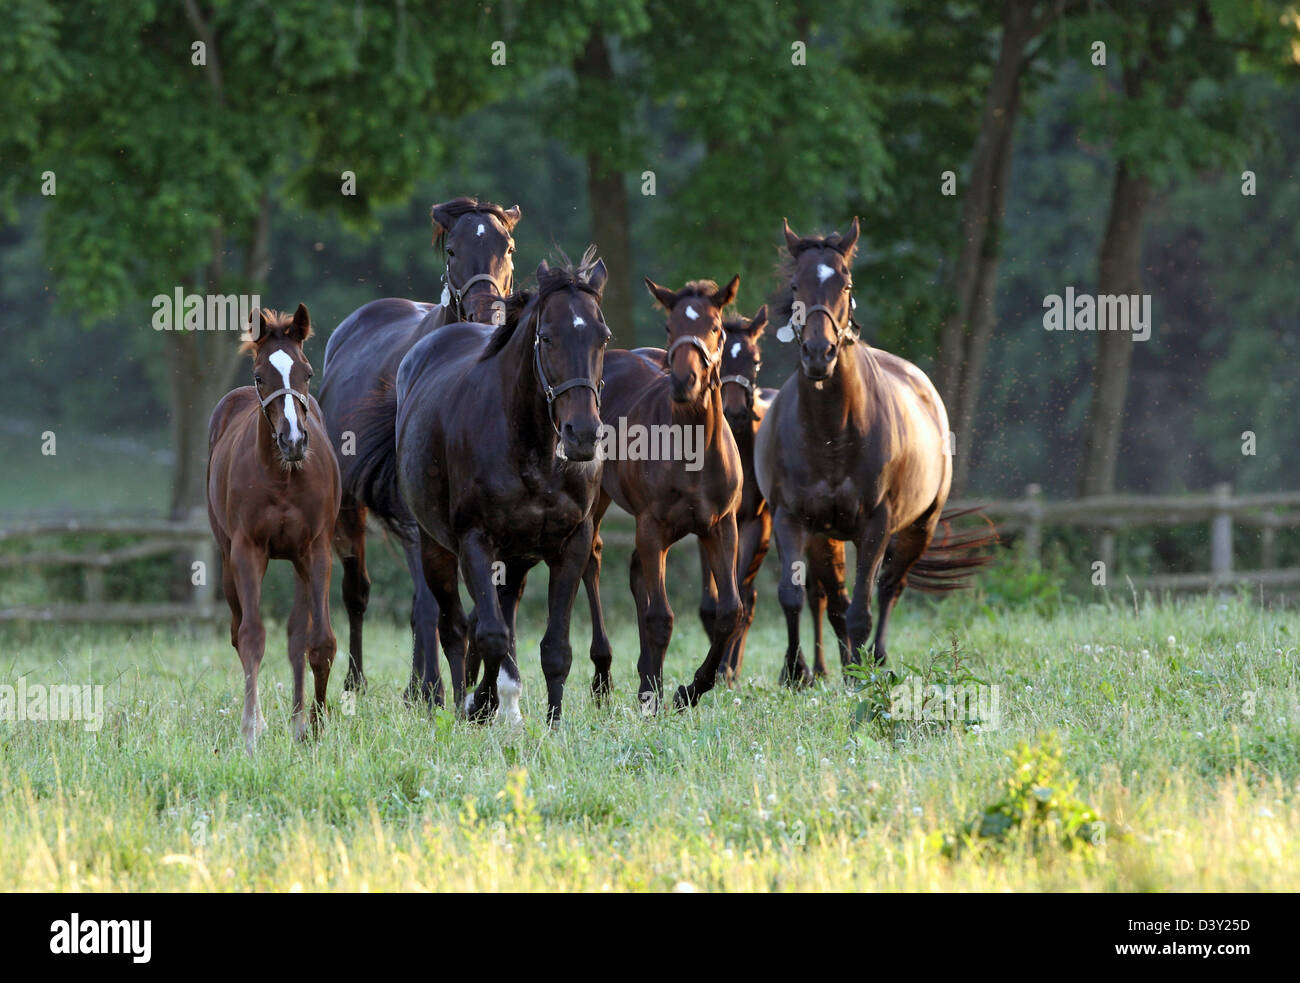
{"x": 361, "y": 358}
{"x": 273, "y": 493}
{"x": 744, "y": 404}
{"x": 493, "y": 452}
{"x": 677, "y": 390}
{"x": 853, "y": 449}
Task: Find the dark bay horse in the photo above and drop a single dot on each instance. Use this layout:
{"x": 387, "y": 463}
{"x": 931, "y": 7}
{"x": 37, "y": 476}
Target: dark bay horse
{"x": 495, "y": 458}
{"x": 676, "y": 393}
{"x": 853, "y": 449}
{"x": 273, "y": 494}
{"x": 744, "y": 404}
{"x": 361, "y": 361}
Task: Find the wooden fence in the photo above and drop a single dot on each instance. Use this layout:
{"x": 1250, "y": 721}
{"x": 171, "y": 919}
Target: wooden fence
{"x": 1028, "y": 517}
{"x": 156, "y": 537}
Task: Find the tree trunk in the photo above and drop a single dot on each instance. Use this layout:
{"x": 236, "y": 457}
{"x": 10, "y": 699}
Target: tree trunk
{"x": 1119, "y": 271}
{"x": 607, "y": 196}
{"x": 1018, "y": 29}
{"x": 983, "y": 312}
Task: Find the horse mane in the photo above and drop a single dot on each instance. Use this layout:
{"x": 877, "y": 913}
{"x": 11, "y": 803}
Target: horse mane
{"x": 782, "y": 303}
{"x": 277, "y": 325}
{"x": 566, "y": 274}
{"x": 463, "y": 206}
{"x": 738, "y": 325}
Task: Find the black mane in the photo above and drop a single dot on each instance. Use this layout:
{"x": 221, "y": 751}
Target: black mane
{"x": 564, "y": 275}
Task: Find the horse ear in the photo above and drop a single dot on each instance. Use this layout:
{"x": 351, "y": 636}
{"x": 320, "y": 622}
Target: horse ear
{"x": 663, "y": 295}
{"x": 442, "y": 220}
{"x": 543, "y": 267}
{"x": 791, "y": 240}
{"x": 597, "y": 277}
{"x": 301, "y": 323}
{"x": 757, "y": 326}
{"x": 850, "y": 242}
{"x": 727, "y": 294}
{"x": 512, "y": 217}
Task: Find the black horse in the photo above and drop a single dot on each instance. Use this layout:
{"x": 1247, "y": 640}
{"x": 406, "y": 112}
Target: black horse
{"x": 495, "y": 458}
{"x": 361, "y": 361}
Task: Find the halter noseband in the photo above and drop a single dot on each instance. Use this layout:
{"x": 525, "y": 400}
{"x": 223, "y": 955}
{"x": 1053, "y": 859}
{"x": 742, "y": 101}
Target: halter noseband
{"x": 554, "y": 392}
{"x": 711, "y": 359}
{"x": 282, "y": 391}
{"x": 742, "y": 382}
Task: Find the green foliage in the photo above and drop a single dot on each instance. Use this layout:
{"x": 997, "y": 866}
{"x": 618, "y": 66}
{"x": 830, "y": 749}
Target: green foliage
{"x": 1038, "y": 806}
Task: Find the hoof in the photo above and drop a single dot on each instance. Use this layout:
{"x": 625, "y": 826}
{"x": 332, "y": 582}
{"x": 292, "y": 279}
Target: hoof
{"x": 649, "y": 703}
{"x": 801, "y": 679}
{"x": 602, "y": 684}
{"x": 682, "y": 699}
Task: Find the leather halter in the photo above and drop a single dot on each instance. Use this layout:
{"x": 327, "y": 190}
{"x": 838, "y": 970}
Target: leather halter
{"x": 711, "y": 358}
{"x": 742, "y": 382}
{"x": 553, "y": 392}
{"x": 282, "y": 391}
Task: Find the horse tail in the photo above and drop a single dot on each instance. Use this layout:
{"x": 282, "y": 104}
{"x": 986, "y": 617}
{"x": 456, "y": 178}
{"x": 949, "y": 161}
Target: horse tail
{"x": 370, "y": 475}
{"x": 949, "y": 561}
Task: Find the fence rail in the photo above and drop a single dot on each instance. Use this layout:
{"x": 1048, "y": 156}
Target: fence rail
{"x": 158, "y": 537}
{"x": 1028, "y": 517}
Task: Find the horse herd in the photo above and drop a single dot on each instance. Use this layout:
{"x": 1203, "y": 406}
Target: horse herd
{"x": 474, "y": 429}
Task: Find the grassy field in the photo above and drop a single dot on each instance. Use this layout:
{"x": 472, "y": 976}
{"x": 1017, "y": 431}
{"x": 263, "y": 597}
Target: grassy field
{"x": 1179, "y": 722}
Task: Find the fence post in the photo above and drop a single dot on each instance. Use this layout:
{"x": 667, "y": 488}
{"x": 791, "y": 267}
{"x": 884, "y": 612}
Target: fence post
{"x": 1034, "y": 523}
{"x": 92, "y": 583}
{"x": 1267, "y": 543}
{"x": 1221, "y": 532}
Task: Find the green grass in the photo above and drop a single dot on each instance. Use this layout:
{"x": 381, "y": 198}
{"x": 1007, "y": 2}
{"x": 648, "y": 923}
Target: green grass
{"x": 1188, "y": 749}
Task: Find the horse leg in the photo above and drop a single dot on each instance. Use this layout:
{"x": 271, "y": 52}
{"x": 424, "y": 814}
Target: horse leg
{"x": 602, "y": 657}
{"x": 720, "y": 545}
{"x": 350, "y": 544}
{"x": 906, "y": 549}
{"x": 567, "y": 573}
{"x": 500, "y": 687}
{"x": 248, "y": 563}
{"x": 439, "y": 569}
{"x": 321, "y": 644}
{"x": 837, "y": 598}
{"x": 231, "y": 591}
{"x": 656, "y": 619}
{"x": 872, "y": 543}
{"x": 752, "y": 542}
{"x": 299, "y": 625}
{"x": 426, "y": 680}
{"x": 708, "y": 593}
{"x": 790, "y": 538}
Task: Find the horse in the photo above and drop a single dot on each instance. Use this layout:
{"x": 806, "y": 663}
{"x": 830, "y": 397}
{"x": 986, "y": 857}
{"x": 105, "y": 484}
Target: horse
{"x": 854, "y": 448}
{"x": 361, "y": 359}
{"x": 273, "y": 493}
{"x": 492, "y": 449}
{"x": 744, "y": 404}
{"x": 676, "y": 391}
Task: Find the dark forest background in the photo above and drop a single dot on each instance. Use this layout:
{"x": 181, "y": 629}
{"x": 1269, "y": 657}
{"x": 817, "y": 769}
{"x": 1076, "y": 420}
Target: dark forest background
{"x": 225, "y": 177}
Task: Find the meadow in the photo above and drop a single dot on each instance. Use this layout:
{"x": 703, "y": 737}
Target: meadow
{"x": 1178, "y": 725}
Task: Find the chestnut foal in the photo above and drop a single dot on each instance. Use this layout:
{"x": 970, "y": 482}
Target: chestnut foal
{"x": 273, "y": 493}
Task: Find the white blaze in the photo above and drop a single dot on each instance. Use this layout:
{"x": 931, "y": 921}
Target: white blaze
{"x": 481, "y": 229}
{"x": 824, "y": 272}
{"x": 577, "y": 321}
{"x": 735, "y": 349}
{"x": 283, "y": 361}
{"x": 690, "y": 312}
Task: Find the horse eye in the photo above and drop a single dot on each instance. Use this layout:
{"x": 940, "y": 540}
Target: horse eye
{"x": 793, "y": 286}
{"x": 257, "y": 379}
{"x": 451, "y": 252}
{"x": 546, "y": 339}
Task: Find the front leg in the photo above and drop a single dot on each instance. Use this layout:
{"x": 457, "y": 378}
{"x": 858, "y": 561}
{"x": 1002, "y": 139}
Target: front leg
{"x": 654, "y": 613}
{"x": 720, "y": 547}
{"x": 602, "y": 657}
{"x": 871, "y": 543}
{"x": 321, "y": 644}
{"x": 500, "y": 686}
{"x": 557, "y": 654}
{"x": 753, "y": 539}
{"x": 790, "y": 538}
